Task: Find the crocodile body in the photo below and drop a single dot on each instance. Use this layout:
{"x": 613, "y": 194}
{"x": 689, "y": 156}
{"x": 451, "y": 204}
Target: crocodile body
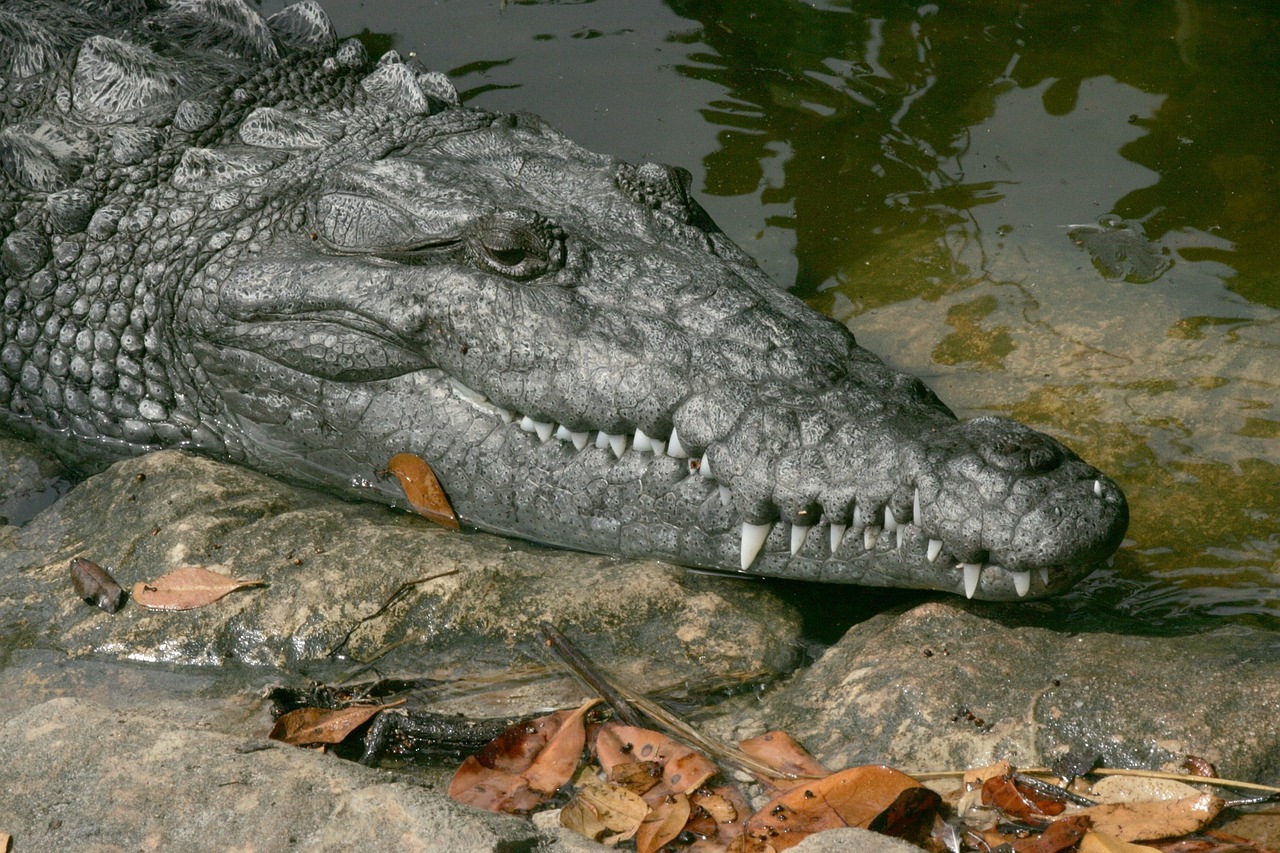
{"x": 246, "y": 238}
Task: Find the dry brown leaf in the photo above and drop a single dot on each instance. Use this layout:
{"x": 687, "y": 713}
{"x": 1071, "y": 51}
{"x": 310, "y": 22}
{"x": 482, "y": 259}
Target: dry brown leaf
{"x": 520, "y": 768}
{"x": 682, "y": 769}
{"x": 187, "y": 588}
{"x": 1129, "y": 789}
{"x": 1019, "y": 801}
{"x": 1098, "y": 842}
{"x": 93, "y": 584}
{"x": 664, "y": 822}
{"x": 853, "y": 797}
{"x": 422, "y": 489}
{"x": 638, "y": 776}
{"x": 599, "y": 807}
{"x": 718, "y": 818}
{"x": 306, "y": 726}
{"x": 971, "y": 795}
{"x": 1063, "y": 834}
{"x": 1149, "y": 820}
{"x": 781, "y": 752}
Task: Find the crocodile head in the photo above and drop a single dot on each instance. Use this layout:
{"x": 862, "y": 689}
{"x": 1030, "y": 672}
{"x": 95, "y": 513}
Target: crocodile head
{"x": 244, "y": 239}
{"x": 585, "y": 360}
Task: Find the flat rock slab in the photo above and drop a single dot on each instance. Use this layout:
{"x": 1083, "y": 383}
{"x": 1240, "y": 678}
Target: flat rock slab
{"x": 328, "y": 564}
{"x": 81, "y": 777}
{"x": 950, "y": 685}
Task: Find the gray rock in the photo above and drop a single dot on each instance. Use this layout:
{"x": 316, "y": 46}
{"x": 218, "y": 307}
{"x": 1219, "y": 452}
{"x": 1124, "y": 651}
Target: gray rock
{"x": 947, "y": 686}
{"x": 78, "y": 776}
{"x": 329, "y": 563}
{"x": 851, "y": 840}
{"x": 30, "y": 480}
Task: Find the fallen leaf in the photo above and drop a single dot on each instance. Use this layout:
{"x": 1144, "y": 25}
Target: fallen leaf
{"x": 599, "y": 807}
{"x": 974, "y": 779}
{"x": 1159, "y": 819}
{"x": 911, "y": 816}
{"x": 522, "y": 767}
{"x": 1064, "y": 833}
{"x": 422, "y": 489}
{"x": 637, "y": 776}
{"x": 682, "y": 769}
{"x": 664, "y": 822}
{"x": 306, "y": 726}
{"x": 187, "y": 588}
{"x": 1018, "y": 801}
{"x": 1098, "y": 842}
{"x": 853, "y": 797}
{"x": 719, "y": 816}
{"x": 1129, "y": 789}
{"x": 1197, "y": 766}
{"x": 780, "y": 751}
{"x": 94, "y": 585}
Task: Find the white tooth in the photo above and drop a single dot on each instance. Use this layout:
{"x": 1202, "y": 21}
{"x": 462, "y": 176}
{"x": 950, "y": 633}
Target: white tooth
{"x": 935, "y": 548}
{"x": 675, "y": 448}
{"x": 528, "y": 424}
{"x": 618, "y": 443}
{"x": 1021, "y": 582}
{"x": 579, "y": 439}
{"x": 915, "y": 507}
{"x": 898, "y": 534}
{"x": 972, "y": 573}
{"x": 837, "y": 535}
{"x": 562, "y": 433}
{"x": 890, "y": 523}
{"x": 505, "y": 415}
{"x": 659, "y": 446}
{"x": 1097, "y": 488}
{"x": 726, "y": 497}
{"x": 704, "y": 469}
{"x": 641, "y": 442}
{"x": 798, "y": 532}
{"x": 870, "y": 537}
{"x": 857, "y": 516}
{"x": 1044, "y": 576}
{"x": 753, "y": 536}
{"x": 602, "y": 439}
{"x": 544, "y": 430}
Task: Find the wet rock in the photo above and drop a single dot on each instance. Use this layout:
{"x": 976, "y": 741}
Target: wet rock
{"x": 852, "y": 840}
{"x": 29, "y": 481}
{"x": 329, "y": 563}
{"x": 79, "y": 776}
{"x": 947, "y": 685}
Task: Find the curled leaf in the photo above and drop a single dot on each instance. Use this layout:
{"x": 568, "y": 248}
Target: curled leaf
{"x": 187, "y": 588}
{"x": 682, "y": 769}
{"x": 665, "y": 820}
{"x": 422, "y": 489}
{"x": 600, "y": 807}
{"x": 307, "y": 726}
{"x": 94, "y": 585}
{"x": 780, "y": 751}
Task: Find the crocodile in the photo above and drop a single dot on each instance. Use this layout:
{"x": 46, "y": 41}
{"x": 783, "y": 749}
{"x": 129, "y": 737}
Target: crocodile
{"x": 242, "y": 236}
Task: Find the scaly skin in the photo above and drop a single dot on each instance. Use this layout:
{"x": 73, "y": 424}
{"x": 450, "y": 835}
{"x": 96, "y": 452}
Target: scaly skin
{"x": 324, "y": 265}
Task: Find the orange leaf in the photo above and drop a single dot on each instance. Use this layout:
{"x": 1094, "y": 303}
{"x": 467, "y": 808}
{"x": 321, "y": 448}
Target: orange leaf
{"x": 187, "y": 588}
{"x": 682, "y": 768}
{"x": 781, "y": 752}
{"x": 304, "y": 726}
{"x": 664, "y": 822}
{"x": 422, "y": 489}
{"x": 719, "y": 816}
{"x": 520, "y": 768}
{"x": 1063, "y": 834}
{"x": 853, "y": 797}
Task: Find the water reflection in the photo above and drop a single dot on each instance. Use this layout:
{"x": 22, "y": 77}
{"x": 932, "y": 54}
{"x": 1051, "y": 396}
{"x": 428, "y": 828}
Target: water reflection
{"x": 939, "y": 164}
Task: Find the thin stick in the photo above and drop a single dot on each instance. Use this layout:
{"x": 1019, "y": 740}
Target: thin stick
{"x": 1121, "y": 771}
{"x": 400, "y": 590}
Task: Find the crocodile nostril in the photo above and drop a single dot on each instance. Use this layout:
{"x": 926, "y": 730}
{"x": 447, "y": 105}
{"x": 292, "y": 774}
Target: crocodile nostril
{"x": 1028, "y": 452}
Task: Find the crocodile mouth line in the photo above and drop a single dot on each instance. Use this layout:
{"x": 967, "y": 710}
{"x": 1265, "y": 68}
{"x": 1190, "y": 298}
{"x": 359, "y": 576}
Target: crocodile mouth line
{"x": 868, "y": 531}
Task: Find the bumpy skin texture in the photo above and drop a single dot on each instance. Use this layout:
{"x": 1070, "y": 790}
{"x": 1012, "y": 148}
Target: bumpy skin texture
{"x": 240, "y": 237}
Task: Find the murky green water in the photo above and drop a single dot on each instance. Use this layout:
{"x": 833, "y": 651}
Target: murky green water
{"x": 1065, "y": 213}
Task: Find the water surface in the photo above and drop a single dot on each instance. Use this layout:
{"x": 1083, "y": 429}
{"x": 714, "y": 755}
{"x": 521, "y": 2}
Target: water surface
{"x": 935, "y": 175}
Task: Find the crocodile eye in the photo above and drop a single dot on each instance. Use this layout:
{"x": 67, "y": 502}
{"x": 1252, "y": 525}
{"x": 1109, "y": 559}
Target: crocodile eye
{"x": 519, "y": 244}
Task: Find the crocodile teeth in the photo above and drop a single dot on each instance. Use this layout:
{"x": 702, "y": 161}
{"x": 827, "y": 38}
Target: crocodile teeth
{"x": 617, "y": 442}
{"x": 641, "y": 442}
{"x": 562, "y": 433}
{"x": 726, "y": 497}
{"x": 506, "y": 415}
{"x": 579, "y": 439}
{"x": 1044, "y": 576}
{"x": 1021, "y": 582}
{"x": 898, "y": 534}
{"x": 526, "y": 424}
{"x": 915, "y": 507}
{"x": 798, "y": 533}
{"x": 544, "y": 430}
{"x": 837, "y": 536}
{"x": 1097, "y": 488}
{"x": 704, "y": 469}
{"x": 972, "y": 574}
{"x": 935, "y": 548}
{"x": 674, "y": 448}
{"x": 890, "y": 523}
{"x": 753, "y": 536}
{"x": 870, "y": 537}
{"x": 659, "y": 446}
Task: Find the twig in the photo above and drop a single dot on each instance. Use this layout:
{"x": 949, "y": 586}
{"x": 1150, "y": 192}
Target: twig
{"x": 386, "y": 605}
